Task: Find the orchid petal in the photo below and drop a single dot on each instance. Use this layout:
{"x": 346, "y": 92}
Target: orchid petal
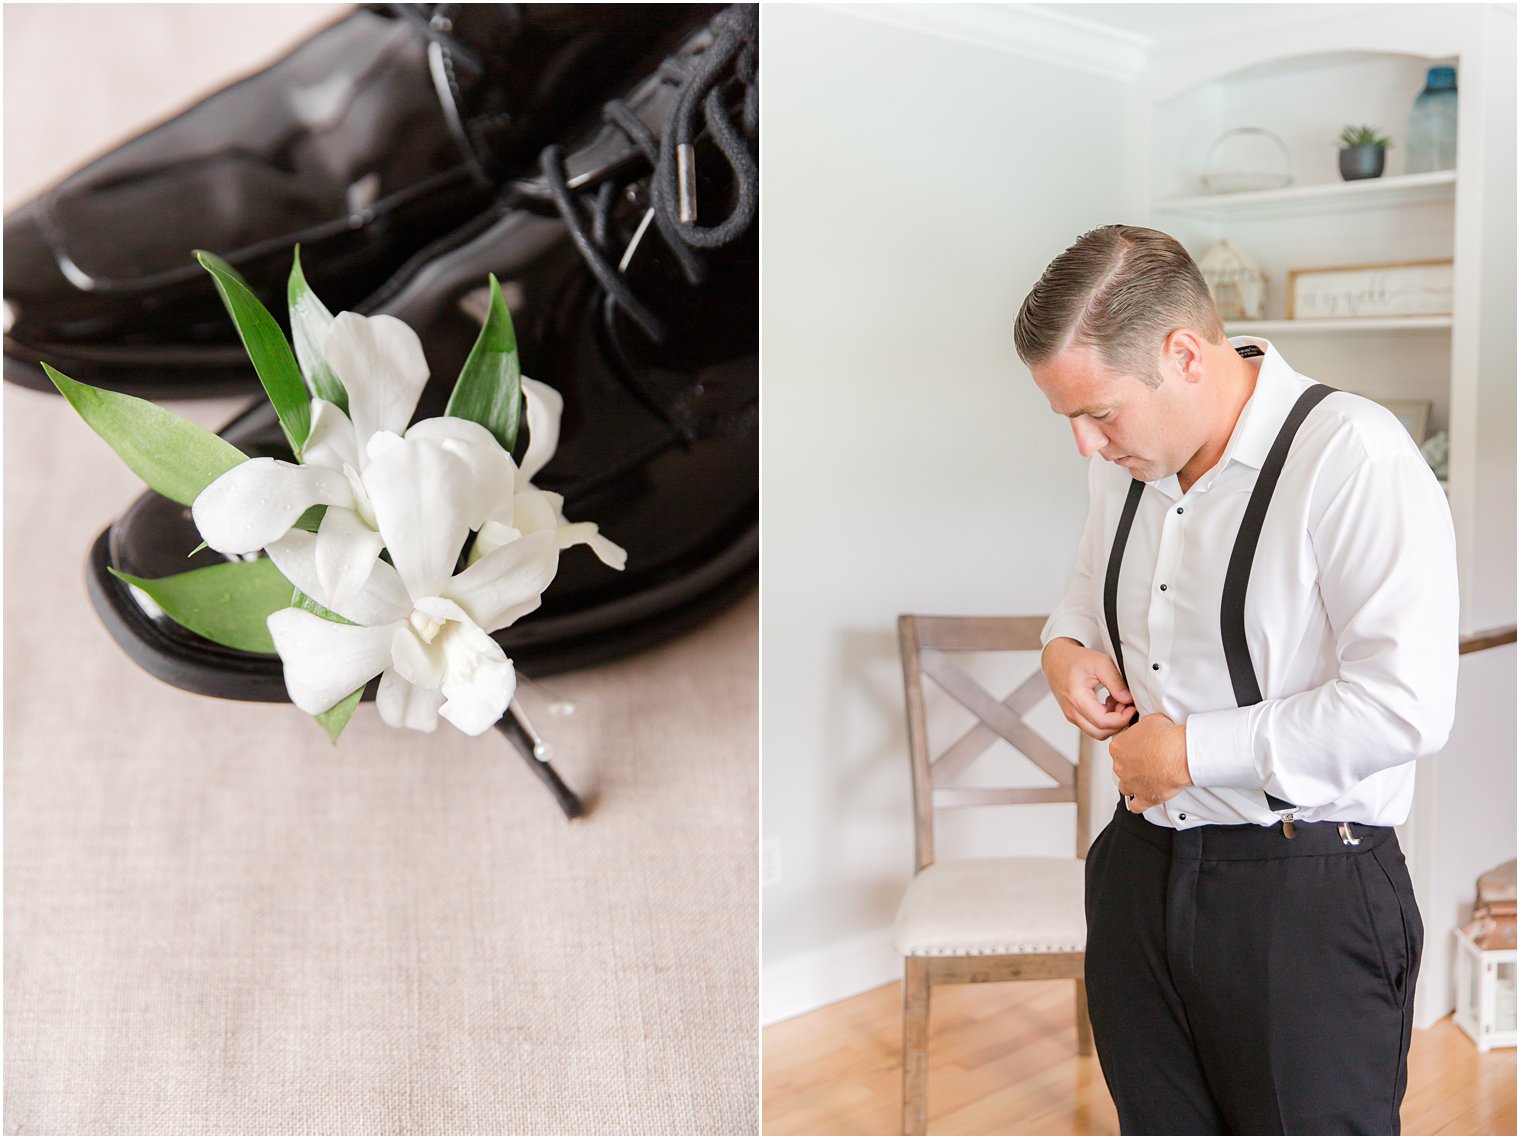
{"x": 412, "y": 487}
{"x": 493, "y": 536}
{"x": 441, "y": 609}
{"x": 403, "y": 704}
{"x": 503, "y": 580}
{"x": 492, "y": 471}
{"x": 380, "y": 363}
{"x": 608, "y": 552}
{"x": 545, "y": 406}
{"x": 417, "y": 661}
{"x": 534, "y": 509}
{"x": 347, "y": 552}
{"x": 383, "y": 599}
{"x": 480, "y": 682}
{"x": 332, "y": 442}
{"x": 325, "y": 661}
{"x": 256, "y": 502}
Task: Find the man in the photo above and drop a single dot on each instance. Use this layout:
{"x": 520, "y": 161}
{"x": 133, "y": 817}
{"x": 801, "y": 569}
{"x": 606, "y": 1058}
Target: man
{"x": 1266, "y": 598}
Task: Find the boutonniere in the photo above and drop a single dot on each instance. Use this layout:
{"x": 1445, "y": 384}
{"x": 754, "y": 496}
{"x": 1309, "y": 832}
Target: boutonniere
{"x": 387, "y": 548}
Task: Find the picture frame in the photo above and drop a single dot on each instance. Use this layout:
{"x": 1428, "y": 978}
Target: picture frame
{"x": 1414, "y": 414}
{"x": 1365, "y": 292}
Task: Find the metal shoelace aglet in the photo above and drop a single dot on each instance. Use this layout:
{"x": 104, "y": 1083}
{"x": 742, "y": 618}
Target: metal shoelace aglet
{"x": 1345, "y": 829}
{"x": 686, "y": 182}
{"x": 541, "y": 751}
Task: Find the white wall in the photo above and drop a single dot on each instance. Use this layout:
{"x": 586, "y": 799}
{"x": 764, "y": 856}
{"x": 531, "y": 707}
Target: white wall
{"x": 914, "y": 189}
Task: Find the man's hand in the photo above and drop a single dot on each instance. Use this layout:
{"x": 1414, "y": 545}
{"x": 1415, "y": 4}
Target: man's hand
{"x": 1074, "y": 673}
{"x": 1150, "y": 761}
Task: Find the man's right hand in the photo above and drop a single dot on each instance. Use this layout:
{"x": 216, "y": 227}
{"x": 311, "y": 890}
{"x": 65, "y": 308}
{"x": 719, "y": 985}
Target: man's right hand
{"x": 1074, "y": 673}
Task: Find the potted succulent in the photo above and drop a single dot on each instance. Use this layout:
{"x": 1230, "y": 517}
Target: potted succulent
{"x": 1364, "y": 152}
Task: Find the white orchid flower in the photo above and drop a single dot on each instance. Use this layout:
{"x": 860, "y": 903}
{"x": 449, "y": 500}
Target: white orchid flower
{"x": 531, "y": 510}
{"x": 380, "y": 363}
{"x": 423, "y": 628}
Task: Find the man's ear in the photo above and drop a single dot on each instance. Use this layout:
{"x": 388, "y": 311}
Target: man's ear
{"x": 1182, "y": 355}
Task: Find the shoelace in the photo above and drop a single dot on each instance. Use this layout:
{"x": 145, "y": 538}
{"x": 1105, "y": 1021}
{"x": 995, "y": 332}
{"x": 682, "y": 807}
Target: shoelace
{"x": 446, "y": 53}
{"x": 703, "y": 78}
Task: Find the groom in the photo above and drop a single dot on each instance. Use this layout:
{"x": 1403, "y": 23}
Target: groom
{"x": 1263, "y": 623}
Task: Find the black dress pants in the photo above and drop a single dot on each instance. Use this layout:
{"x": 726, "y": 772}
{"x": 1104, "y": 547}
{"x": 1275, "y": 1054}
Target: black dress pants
{"x": 1242, "y": 982}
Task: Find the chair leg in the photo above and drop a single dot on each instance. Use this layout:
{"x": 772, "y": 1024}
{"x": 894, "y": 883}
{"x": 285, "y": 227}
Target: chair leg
{"x": 915, "y": 1045}
{"x": 1084, "y": 1025}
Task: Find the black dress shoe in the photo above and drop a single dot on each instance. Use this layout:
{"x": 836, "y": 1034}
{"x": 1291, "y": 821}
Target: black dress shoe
{"x": 648, "y": 327}
{"x": 377, "y": 136}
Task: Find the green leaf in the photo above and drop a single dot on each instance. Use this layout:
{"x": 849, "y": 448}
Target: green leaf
{"x": 175, "y": 457}
{"x": 267, "y": 348}
{"x": 309, "y": 322}
{"x": 229, "y": 604}
{"x": 335, "y": 719}
{"x": 311, "y": 520}
{"x": 489, "y": 388}
{"x": 311, "y": 605}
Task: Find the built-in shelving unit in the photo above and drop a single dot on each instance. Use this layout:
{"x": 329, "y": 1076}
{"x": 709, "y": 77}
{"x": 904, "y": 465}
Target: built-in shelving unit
{"x": 1369, "y": 325}
{"x": 1391, "y": 190}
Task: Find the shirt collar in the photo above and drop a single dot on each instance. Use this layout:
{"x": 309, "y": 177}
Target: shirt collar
{"x": 1277, "y": 387}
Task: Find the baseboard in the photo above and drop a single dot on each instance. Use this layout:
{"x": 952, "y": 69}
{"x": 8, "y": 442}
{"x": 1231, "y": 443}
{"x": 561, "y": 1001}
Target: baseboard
{"x": 844, "y": 968}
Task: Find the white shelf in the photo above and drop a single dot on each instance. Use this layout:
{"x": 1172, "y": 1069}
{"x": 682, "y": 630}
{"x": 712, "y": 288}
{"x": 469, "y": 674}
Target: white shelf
{"x": 1395, "y": 190}
{"x": 1315, "y": 327}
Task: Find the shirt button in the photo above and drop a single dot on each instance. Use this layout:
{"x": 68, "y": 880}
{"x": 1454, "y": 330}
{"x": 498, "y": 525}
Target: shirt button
{"x": 1163, "y": 589}
{"x": 1182, "y": 816}
{"x": 1179, "y": 510}
{"x": 1156, "y": 667}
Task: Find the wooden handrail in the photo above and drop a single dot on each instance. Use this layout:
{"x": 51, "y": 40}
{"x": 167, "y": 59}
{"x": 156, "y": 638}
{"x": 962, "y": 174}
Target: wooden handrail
{"x": 1491, "y": 638}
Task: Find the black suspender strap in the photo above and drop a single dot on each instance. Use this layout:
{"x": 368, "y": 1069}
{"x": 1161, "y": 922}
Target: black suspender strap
{"x": 1237, "y": 577}
{"x": 1111, "y": 582}
{"x": 1232, "y": 610}
{"x": 1232, "y": 613}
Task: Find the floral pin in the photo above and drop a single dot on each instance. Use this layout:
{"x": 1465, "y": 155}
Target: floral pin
{"x": 387, "y": 550}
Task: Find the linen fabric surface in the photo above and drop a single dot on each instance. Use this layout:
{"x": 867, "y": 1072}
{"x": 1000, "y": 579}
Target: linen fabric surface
{"x": 218, "y": 923}
{"x": 1351, "y": 614}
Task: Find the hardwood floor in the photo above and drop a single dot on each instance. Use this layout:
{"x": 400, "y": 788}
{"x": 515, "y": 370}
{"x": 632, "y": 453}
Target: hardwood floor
{"x": 1002, "y": 1061}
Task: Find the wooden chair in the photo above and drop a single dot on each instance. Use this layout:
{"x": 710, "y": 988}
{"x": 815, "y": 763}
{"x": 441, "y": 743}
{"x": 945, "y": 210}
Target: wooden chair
{"x": 994, "y": 919}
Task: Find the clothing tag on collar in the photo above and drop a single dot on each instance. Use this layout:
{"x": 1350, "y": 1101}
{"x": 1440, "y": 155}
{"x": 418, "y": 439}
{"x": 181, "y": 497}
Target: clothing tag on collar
{"x": 1248, "y": 351}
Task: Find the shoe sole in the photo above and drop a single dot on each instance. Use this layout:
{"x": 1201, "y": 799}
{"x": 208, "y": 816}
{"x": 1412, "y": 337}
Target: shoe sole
{"x": 141, "y": 375}
{"x": 581, "y": 639}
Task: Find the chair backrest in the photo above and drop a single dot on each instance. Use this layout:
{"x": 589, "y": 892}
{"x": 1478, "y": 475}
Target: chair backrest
{"x": 924, "y": 641}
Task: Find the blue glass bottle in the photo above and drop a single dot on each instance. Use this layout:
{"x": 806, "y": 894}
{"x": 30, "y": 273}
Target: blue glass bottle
{"x": 1433, "y": 124}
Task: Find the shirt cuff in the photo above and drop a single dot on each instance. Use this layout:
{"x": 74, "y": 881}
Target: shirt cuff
{"x": 1084, "y": 630}
{"x": 1219, "y": 752}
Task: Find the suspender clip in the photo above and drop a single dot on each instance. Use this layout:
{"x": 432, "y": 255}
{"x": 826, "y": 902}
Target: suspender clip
{"x": 1345, "y": 829}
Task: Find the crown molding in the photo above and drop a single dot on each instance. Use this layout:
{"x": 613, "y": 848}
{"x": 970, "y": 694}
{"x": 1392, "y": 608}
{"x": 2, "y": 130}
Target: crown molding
{"x": 1030, "y": 31}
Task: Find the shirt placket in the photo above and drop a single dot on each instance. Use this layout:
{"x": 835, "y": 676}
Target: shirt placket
{"x": 1161, "y": 613}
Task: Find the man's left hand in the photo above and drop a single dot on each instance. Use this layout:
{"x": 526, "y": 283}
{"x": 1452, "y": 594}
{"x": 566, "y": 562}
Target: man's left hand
{"x": 1150, "y": 761}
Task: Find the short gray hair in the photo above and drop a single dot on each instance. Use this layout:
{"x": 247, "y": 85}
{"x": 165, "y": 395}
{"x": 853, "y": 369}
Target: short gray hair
{"x": 1120, "y": 290}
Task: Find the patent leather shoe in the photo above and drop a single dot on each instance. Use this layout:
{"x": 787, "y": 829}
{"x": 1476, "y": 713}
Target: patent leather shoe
{"x": 372, "y": 139}
{"x": 645, "y": 323}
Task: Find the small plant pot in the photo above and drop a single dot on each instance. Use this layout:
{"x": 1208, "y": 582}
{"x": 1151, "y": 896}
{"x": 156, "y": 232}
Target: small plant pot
{"x": 1359, "y": 162}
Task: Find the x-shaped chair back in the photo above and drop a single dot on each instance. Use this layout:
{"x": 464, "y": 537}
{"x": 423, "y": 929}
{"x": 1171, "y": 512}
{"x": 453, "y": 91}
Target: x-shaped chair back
{"x": 924, "y": 642}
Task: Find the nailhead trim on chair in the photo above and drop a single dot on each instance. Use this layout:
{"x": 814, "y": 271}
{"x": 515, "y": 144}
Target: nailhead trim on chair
{"x": 990, "y": 951}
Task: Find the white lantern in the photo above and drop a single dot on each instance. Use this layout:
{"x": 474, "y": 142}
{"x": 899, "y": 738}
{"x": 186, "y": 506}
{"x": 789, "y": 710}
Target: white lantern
{"x": 1235, "y": 281}
{"x": 1485, "y": 991}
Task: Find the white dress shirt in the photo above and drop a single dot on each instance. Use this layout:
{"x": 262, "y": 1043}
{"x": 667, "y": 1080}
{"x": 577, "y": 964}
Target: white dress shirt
{"x": 1351, "y": 613}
